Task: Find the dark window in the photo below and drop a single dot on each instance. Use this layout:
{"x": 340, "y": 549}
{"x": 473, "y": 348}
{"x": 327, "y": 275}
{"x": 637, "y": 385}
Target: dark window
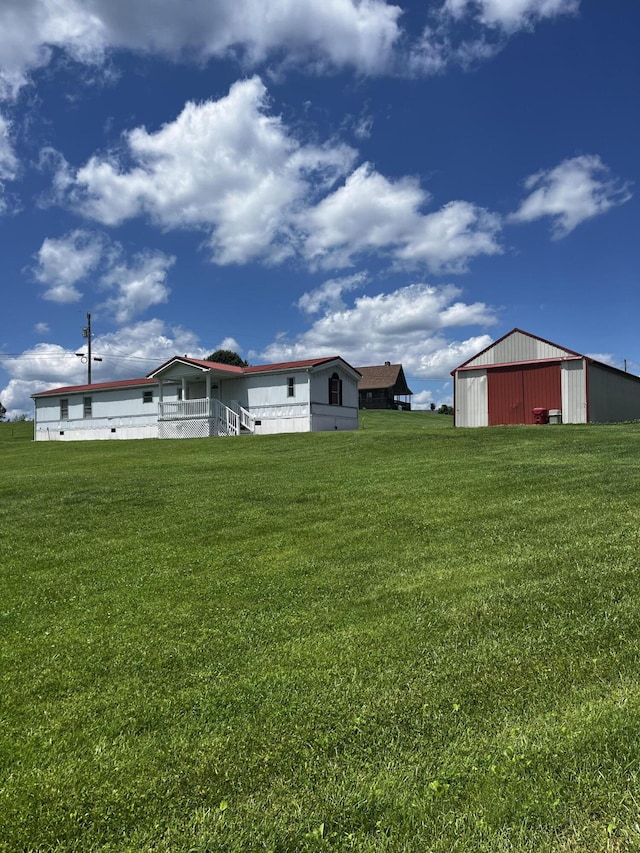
{"x": 335, "y": 390}
{"x": 291, "y": 386}
{"x": 64, "y": 410}
{"x": 86, "y": 407}
{"x": 147, "y": 396}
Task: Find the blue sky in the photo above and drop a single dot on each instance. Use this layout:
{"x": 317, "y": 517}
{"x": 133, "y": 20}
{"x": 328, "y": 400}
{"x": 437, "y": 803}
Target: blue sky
{"x": 383, "y": 181}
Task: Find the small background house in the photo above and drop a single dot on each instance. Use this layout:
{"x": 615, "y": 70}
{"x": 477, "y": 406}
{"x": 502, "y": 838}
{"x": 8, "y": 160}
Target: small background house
{"x": 382, "y": 386}
{"x": 503, "y": 383}
{"x": 191, "y": 398}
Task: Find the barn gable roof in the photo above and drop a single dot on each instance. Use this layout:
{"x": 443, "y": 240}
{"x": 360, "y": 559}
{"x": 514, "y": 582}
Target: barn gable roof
{"x": 518, "y": 346}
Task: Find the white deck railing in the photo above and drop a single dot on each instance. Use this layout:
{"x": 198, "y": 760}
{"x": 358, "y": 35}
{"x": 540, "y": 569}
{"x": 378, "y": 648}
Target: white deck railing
{"x": 174, "y": 409}
{"x": 228, "y": 421}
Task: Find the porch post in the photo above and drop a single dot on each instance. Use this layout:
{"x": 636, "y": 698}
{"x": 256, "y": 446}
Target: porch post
{"x": 208, "y": 392}
{"x": 184, "y": 387}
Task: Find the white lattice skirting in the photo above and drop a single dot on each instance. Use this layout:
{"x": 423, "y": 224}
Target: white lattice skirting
{"x": 195, "y": 428}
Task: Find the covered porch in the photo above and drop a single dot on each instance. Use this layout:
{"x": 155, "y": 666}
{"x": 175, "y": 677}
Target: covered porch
{"x": 190, "y": 402}
{"x": 207, "y": 416}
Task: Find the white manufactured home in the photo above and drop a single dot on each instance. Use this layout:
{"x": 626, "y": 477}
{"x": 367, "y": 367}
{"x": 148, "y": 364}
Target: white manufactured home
{"x": 191, "y": 398}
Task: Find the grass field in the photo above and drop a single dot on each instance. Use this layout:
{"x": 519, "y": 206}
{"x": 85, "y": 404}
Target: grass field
{"x": 406, "y": 638}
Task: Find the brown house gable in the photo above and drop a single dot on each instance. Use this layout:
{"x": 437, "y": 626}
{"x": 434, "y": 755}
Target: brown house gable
{"x": 381, "y": 384}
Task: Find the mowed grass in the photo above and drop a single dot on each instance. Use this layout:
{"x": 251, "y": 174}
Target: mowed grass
{"x": 406, "y": 638}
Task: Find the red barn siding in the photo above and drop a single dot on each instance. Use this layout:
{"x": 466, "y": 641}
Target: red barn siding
{"x": 513, "y": 392}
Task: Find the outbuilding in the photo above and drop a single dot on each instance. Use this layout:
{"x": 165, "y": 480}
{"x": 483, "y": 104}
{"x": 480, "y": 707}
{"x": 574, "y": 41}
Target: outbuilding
{"x": 524, "y": 379}
{"x": 383, "y": 386}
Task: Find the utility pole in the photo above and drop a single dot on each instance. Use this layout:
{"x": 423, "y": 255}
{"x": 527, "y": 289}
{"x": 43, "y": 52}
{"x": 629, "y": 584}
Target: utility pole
{"x": 86, "y": 333}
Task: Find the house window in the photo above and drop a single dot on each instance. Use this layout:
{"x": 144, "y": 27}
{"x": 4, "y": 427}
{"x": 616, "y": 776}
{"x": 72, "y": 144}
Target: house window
{"x": 147, "y": 396}
{"x": 86, "y": 407}
{"x": 335, "y": 390}
{"x": 291, "y": 386}
{"x": 64, "y": 410}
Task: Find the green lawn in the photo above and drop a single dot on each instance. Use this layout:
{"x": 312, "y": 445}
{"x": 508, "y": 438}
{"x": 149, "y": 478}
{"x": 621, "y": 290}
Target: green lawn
{"x": 406, "y": 638}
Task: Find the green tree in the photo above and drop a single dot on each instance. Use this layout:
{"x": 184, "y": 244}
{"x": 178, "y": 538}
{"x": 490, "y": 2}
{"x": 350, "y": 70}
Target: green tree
{"x": 227, "y": 356}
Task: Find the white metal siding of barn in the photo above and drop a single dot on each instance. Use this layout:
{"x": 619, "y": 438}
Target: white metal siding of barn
{"x": 613, "y": 396}
{"x": 574, "y": 391}
{"x": 471, "y": 400}
{"x": 518, "y": 347}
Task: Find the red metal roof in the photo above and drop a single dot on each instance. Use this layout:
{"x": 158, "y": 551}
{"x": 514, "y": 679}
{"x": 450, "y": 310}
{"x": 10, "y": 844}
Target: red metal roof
{"x": 290, "y": 365}
{"x": 96, "y": 386}
{"x": 257, "y": 368}
{"x": 198, "y": 362}
{"x": 207, "y": 365}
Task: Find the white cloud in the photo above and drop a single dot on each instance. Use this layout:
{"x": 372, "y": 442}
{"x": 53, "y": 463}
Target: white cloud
{"x": 370, "y": 213}
{"x": 359, "y": 34}
{"x": 329, "y": 294}
{"x": 367, "y": 213}
{"x": 364, "y": 35}
{"x": 127, "y": 353}
{"x": 466, "y": 32}
{"x": 438, "y": 396}
{"x": 226, "y": 343}
{"x": 224, "y": 166}
{"x": 41, "y": 328}
{"x": 139, "y": 285}
{"x": 411, "y": 325}
{"x": 578, "y": 189}
{"x": 510, "y": 15}
{"x": 90, "y": 258}
{"x": 63, "y": 262}
{"x": 8, "y": 159}
{"x": 447, "y": 239}
{"x": 422, "y": 400}
{"x": 233, "y": 170}
{"x": 146, "y": 344}
{"x": 16, "y": 397}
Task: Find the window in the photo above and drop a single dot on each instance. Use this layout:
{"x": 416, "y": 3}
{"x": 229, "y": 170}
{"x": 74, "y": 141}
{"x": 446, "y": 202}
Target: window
{"x": 64, "y": 410}
{"x": 291, "y": 386}
{"x": 86, "y": 407}
{"x": 147, "y": 396}
{"x": 335, "y": 390}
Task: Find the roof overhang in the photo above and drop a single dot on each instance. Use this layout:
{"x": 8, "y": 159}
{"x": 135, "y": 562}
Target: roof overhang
{"x": 178, "y": 367}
